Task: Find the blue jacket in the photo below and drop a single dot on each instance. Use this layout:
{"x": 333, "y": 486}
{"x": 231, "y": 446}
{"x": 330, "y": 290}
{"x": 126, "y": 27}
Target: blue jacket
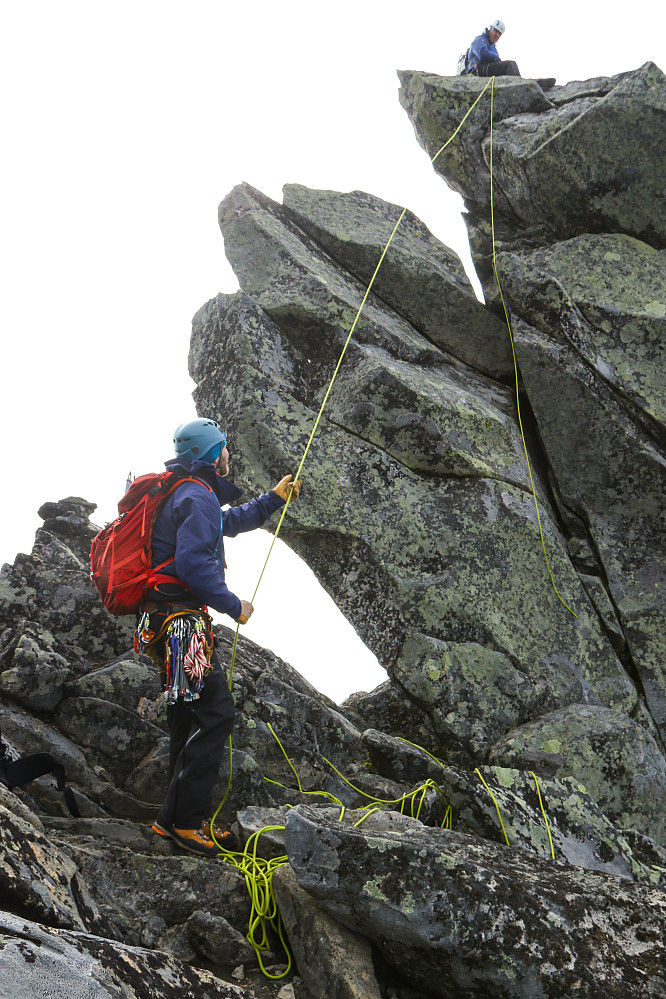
{"x": 188, "y": 531}
{"x": 481, "y": 51}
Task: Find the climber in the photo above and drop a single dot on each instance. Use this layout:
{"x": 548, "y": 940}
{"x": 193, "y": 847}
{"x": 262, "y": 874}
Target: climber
{"x": 187, "y": 544}
{"x": 483, "y": 58}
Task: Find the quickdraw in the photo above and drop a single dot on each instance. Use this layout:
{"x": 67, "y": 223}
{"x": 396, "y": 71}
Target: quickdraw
{"x": 181, "y": 648}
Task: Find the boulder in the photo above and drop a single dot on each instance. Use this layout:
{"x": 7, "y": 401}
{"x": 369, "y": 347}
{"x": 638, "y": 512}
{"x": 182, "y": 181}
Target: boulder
{"x": 553, "y": 817}
{"x": 37, "y": 667}
{"x": 420, "y": 277}
{"x": 437, "y": 105}
{"x": 131, "y": 681}
{"x": 69, "y": 519}
{"x": 29, "y": 734}
{"x": 559, "y": 168}
{"x": 137, "y": 885}
{"x": 553, "y": 165}
{"x": 397, "y": 757}
{"x": 612, "y": 475}
{"x": 39, "y": 880}
{"x": 68, "y": 965}
{"x": 116, "y": 738}
{"x": 620, "y": 762}
{"x": 604, "y": 295}
{"x": 336, "y": 963}
{"x": 492, "y": 920}
{"x": 473, "y": 694}
{"x": 389, "y": 709}
{"x": 216, "y": 939}
{"x": 52, "y": 587}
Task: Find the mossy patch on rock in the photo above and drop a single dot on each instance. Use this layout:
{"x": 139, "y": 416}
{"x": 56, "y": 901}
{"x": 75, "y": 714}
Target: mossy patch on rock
{"x": 616, "y": 759}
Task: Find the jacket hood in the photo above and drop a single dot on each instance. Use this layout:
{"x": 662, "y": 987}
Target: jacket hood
{"x": 225, "y": 490}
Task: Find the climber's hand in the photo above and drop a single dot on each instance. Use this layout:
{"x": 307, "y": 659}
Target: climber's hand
{"x": 246, "y": 613}
{"x": 285, "y": 487}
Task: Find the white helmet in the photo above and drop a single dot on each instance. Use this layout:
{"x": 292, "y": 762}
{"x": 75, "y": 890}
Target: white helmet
{"x": 498, "y": 25}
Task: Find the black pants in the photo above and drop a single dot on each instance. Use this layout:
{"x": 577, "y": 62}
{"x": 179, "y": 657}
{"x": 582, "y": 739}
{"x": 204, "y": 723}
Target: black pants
{"x": 508, "y": 68}
{"x": 199, "y": 731}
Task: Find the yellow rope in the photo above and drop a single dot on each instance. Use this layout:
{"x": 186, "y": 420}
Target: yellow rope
{"x": 263, "y": 909}
{"x": 258, "y": 873}
{"x": 543, "y": 812}
{"x": 415, "y": 746}
{"x": 515, "y": 363}
{"x": 499, "y": 815}
{"x": 403, "y": 801}
{"x": 447, "y": 821}
{"x": 369, "y": 812}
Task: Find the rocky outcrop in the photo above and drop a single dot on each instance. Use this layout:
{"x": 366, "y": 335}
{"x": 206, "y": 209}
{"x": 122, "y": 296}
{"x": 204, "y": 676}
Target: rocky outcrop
{"x": 490, "y": 821}
{"x": 555, "y": 172}
{"x": 580, "y": 225}
{"x": 68, "y": 965}
{"x": 425, "y": 898}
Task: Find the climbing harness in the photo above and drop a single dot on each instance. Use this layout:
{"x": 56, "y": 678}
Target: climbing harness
{"x": 181, "y": 648}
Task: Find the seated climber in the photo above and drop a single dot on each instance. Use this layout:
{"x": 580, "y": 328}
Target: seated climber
{"x": 483, "y": 58}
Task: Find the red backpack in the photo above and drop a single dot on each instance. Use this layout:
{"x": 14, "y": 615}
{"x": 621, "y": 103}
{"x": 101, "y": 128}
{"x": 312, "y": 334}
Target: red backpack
{"x": 121, "y": 554}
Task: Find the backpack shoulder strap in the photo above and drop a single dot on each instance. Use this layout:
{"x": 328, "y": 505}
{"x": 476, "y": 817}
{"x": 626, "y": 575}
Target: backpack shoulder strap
{"x": 187, "y": 478}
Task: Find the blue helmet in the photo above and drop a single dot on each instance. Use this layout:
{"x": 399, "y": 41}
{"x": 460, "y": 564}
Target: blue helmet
{"x": 200, "y": 438}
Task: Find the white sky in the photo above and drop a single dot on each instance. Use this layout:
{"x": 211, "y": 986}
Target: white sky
{"x": 123, "y": 126}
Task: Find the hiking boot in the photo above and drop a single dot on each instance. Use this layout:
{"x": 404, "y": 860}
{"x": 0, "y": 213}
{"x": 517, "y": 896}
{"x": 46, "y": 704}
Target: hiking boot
{"x": 197, "y": 840}
{"x": 224, "y": 837}
{"x": 162, "y": 829}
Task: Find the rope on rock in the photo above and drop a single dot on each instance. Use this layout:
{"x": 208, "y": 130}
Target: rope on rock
{"x": 258, "y": 873}
{"x": 515, "y": 362}
{"x": 543, "y": 812}
{"x": 494, "y": 800}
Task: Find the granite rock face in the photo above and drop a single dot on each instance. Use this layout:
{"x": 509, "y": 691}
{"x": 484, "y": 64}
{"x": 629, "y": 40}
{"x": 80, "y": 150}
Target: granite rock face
{"x": 596, "y": 379}
{"x": 39, "y": 960}
{"x": 490, "y": 821}
{"x": 580, "y": 226}
{"x": 479, "y": 898}
{"x": 554, "y": 168}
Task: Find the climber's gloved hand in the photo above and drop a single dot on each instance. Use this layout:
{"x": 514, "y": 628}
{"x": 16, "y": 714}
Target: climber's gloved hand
{"x": 286, "y": 486}
{"x": 246, "y": 613}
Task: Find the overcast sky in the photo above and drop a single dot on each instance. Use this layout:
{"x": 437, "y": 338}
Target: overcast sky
{"x": 123, "y": 125}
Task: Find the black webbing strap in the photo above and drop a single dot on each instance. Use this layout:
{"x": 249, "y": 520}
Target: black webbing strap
{"x": 16, "y": 773}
